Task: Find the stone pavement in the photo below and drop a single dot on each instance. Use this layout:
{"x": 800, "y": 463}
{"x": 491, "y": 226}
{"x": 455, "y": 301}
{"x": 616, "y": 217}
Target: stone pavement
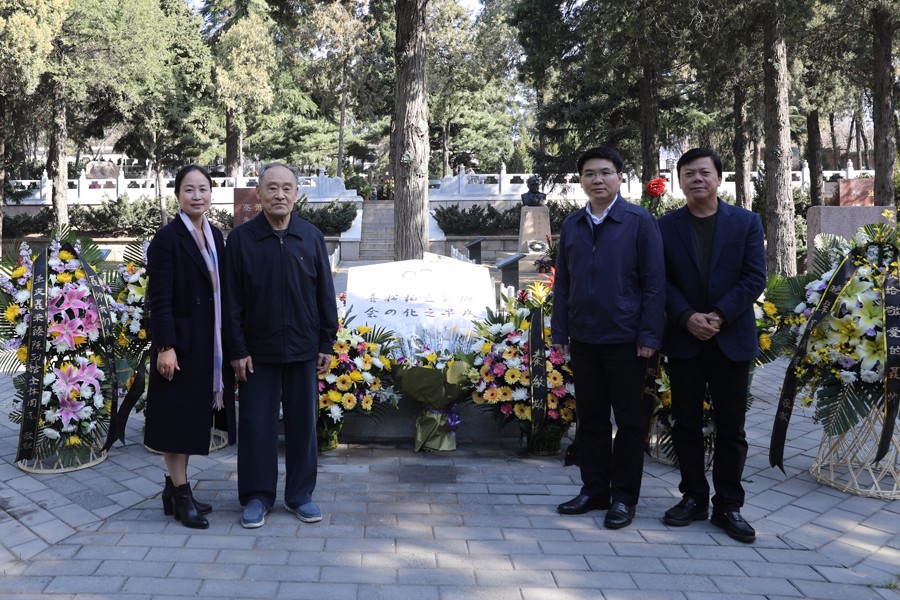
{"x": 476, "y": 523}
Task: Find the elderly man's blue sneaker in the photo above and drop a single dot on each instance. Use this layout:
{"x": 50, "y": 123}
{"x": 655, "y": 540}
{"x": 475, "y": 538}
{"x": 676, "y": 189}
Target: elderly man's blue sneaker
{"x": 254, "y": 514}
{"x": 308, "y": 513}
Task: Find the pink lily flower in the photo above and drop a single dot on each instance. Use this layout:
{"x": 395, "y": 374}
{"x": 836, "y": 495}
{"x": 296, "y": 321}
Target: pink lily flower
{"x": 68, "y": 410}
{"x": 66, "y": 333}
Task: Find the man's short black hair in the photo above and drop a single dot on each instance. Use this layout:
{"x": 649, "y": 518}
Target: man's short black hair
{"x": 695, "y": 153}
{"x": 603, "y": 152}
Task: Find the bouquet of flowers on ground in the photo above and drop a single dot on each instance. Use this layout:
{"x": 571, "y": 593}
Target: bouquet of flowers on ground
{"x": 664, "y": 421}
{"x": 501, "y": 375}
{"x": 52, "y": 324}
{"x": 843, "y": 365}
{"x": 359, "y": 377}
{"x": 430, "y": 369}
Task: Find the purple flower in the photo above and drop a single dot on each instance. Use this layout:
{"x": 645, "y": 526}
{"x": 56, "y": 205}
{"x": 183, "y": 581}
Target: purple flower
{"x": 846, "y": 362}
{"x": 822, "y": 286}
{"x": 807, "y": 312}
{"x": 870, "y": 332}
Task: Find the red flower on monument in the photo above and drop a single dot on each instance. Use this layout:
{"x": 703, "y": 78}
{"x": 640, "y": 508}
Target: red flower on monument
{"x": 656, "y": 187}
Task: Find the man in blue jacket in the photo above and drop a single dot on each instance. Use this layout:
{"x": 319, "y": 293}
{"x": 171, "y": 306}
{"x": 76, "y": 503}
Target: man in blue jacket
{"x": 608, "y": 303}
{"x": 279, "y": 326}
{"x": 715, "y": 270}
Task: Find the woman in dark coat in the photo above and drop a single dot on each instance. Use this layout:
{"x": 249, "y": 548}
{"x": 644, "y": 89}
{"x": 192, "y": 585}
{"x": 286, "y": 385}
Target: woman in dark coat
{"x": 190, "y": 385}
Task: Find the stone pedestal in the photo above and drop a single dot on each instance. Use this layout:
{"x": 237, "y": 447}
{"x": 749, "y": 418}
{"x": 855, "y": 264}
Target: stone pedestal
{"x": 839, "y": 220}
{"x": 534, "y": 228}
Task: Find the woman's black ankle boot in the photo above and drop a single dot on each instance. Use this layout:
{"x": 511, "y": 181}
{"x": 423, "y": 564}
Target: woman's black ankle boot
{"x": 168, "y": 498}
{"x": 185, "y": 509}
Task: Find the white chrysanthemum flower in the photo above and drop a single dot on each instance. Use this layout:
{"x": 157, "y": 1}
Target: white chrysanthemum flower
{"x": 481, "y": 385}
{"x": 570, "y": 388}
{"x": 21, "y": 330}
{"x": 94, "y": 335}
{"x": 377, "y": 362}
{"x": 72, "y": 426}
{"x": 46, "y": 397}
{"x": 758, "y": 311}
{"x": 519, "y": 394}
{"x": 22, "y": 296}
{"x": 87, "y": 392}
{"x": 134, "y": 326}
{"x": 49, "y": 377}
{"x": 88, "y": 426}
{"x": 54, "y": 262}
{"x": 368, "y": 377}
{"x": 507, "y": 328}
{"x": 50, "y": 433}
{"x": 336, "y": 412}
{"x": 50, "y": 416}
{"x": 358, "y": 361}
{"x": 86, "y": 412}
{"x": 54, "y": 292}
{"x": 494, "y": 328}
{"x": 330, "y": 378}
{"x": 847, "y": 377}
{"x": 514, "y": 363}
{"x": 869, "y": 376}
{"x": 522, "y": 312}
{"x": 800, "y": 308}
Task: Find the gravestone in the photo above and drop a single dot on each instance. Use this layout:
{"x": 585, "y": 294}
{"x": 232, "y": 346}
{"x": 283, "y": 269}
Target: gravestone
{"x": 419, "y": 297}
{"x": 857, "y": 192}
{"x": 534, "y": 229}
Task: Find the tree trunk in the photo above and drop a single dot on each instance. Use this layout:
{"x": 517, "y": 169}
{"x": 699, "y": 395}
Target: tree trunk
{"x": 445, "y": 146}
{"x": 2, "y": 165}
{"x": 410, "y": 142}
{"x": 882, "y": 108}
{"x": 56, "y": 160}
{"x": 866, "y": 161}
{"x": 835, "y": 151}
{"x": 649, "y": 122}
{"x": 814, "y": 157}
{"x": 743, "y": 187}
{"x": 781, "y": 255}
{"x": 850, "y": 139}
{"x": 157, "y": 159}
{"x": 859, "y": 127}
{"x": 234, "y": 145}
{"x": 542, "y": 136}
{"x": 340, "y": 152}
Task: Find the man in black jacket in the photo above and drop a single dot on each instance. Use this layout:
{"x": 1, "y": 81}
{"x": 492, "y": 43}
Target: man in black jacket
{"x": 280, "y": 324}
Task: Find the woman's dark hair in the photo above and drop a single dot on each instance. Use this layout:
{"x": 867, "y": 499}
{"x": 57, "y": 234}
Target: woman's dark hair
{"x": 180, "y": 175}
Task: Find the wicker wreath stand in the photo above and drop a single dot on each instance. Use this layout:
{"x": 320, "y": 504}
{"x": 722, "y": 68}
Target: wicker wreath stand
{"x": 845, "y": 461}
{"x": 53, "y": 463}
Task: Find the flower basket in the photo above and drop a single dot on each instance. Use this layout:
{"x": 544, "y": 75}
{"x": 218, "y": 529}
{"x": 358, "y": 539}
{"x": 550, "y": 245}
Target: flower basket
{"x": 546, "y": 442}
{"x": 846, "y": 461}
{"x": 327, "y": 434}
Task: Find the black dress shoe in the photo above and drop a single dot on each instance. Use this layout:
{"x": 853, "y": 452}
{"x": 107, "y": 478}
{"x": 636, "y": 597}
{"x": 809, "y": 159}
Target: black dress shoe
{"x": 581, "y": 504}
{"x": 618, "y": 516}
{"x": 734, "y": 525}
{"x": 686, "y": 512}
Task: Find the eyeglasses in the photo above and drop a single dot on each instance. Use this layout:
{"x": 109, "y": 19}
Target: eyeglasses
{"x": 605, "y": 173}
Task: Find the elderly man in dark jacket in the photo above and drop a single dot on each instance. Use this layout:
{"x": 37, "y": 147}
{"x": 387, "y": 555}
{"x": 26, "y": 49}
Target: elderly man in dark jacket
{"x": 280, "y": 324}
{"x": 608, "y": 305}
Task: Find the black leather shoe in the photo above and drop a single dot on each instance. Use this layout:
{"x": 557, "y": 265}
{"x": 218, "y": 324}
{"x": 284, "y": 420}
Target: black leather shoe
{"x": 581, "y": 504}
{"x": 686, "y": 512}
{"x": 734, "y": 525}
{"x": 618, "y": 516}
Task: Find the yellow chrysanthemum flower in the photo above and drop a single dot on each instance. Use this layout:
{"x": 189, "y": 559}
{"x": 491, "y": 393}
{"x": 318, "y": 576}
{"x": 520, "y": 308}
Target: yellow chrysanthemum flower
{"x": 526, "y": 378}
{"x": 80, "y": 274}
{"x": 73, "y": 440}
{"x": 769, "y": 308}
{"x": 505, "y": 393}
{"x": 765, "y": 342}
{"x": 324, "y": 402}
{"x": 512, "y": 376}
{"x": 96, "y": 359}
{"x": 510, "y": 352}
{"x": 79, "y": 339}
{"x": 348, "y": 401}
{"x": 366, "y": 402}
{"x": 18, "y": 272}
{"x": 386, "y": 362}
{"x": 64, "y": 278}
{"x": 431, "y": 358}
{"x": 12, "y": 311}
{"x": 65, "y": 255}
{"x": 486, "y": 348}
{"x": 142, "y": 334}
{"x": 521, "y": 411}
{"x": 334, "y": 396}
{"x": 344, "y": 382}
{"x": 554, "y": 378}
{"x": 491, "y": 395}
{"x": 123, "y": 341}
{"x": 375, "y": 385}
{"x": 477, "y": 397}
{"x": 366, "y": 362}
{"x": 334, "y": 362}
{"x": 356, "y": 376}
{"x": 364, "y": 329}
{"x": 22, "y": 354}
{"x": 341, "y": 347}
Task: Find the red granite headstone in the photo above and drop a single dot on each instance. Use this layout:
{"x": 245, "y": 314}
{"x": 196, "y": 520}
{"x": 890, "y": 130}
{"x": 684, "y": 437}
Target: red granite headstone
{"x": 857, "y": 192}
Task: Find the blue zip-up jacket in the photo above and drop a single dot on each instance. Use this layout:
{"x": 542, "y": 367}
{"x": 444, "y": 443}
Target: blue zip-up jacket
{"x": 279, "y": 303}
{"x": 610, "y": 285}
